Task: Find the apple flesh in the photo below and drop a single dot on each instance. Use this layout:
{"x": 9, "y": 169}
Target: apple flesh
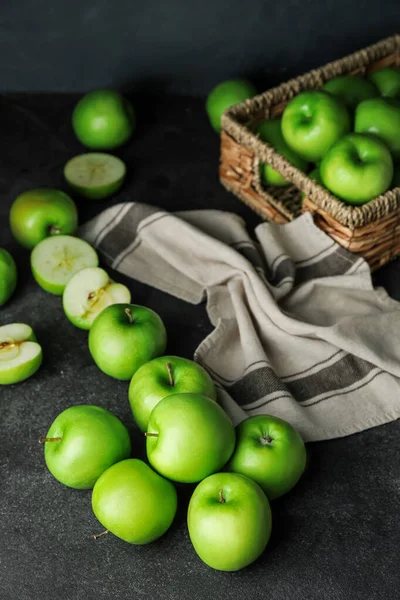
{"x": 8, "y": 276}
{"x": 229, "y": 521}
{"x": 269, "y": 451}
{"x": 133, "y": 502}
{"x": 37, "y": 214}
{"x": 312, "y": 122}
{"x": 162, "y": 377}
{"x": 380, "y": 117}
{"x": 89, "y": 292}
{"x": 189, "y": 437}
{"x": 357, "y": 168}
{"x": 82, "y": 442}
{"x": 20, "y": 354}
{"x": 124, "y": 337}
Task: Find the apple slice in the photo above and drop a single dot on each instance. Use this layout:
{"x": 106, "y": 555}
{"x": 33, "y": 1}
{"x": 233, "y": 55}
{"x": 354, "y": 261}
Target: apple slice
{"x": 90, "y": 291}
{"x": 95, "y": 175}
{"x": 20, "y": 354}
{"x": 56, "y": 259}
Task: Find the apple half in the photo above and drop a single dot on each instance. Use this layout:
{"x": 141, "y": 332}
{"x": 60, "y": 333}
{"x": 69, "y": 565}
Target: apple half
{"x": 20, "y": 354}
{"x": 89, "y": 292}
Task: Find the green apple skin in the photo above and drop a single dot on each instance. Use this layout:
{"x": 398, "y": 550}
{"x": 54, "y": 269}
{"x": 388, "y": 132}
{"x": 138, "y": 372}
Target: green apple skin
{"x": 37, "y": 214}
{"x": 380, "y": 117}
{"x": 229, "y": 535}
{"x": 351, "y": 90}
{"x": 194, "y": 437}
{"x": 20, "y": 339}
{"x": 134, "y": 502}
{"x": 8, "y": 276}
{"x": 387, "y": 81}
{"x": 93, "y": 439}
{"x": 269, "y": 451}
{"x": 103, "y": 120}
{"x": 151, "y": 383}
{"x": 312, "y": 122}
{"x": 225, "y": 95}
{"x": 357, "y": 168}
{"x": 270, "y": 131}
{"x": 123, "y": 337}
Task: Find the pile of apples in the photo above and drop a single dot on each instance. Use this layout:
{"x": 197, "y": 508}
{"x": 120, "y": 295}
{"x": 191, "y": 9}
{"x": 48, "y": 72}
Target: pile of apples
{"x": 188, "y": 436}
{"x": 345, "y": 135}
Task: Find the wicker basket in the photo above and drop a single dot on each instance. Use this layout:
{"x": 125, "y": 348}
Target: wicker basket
{"x": 371, "y": 230}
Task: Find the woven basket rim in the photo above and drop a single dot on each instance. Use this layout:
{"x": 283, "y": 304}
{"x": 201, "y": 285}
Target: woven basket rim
{"x": 236, "y": 119}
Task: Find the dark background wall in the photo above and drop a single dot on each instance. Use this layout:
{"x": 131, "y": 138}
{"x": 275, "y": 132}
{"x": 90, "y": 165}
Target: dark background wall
{"x": 185, "y": 46}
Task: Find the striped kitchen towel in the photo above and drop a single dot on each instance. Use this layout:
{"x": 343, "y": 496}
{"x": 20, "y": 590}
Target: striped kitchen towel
{"x": 299, "y": 330}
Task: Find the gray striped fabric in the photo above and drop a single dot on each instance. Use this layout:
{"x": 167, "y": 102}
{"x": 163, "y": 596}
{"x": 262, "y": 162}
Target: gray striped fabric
{"x": 299, "y": 331}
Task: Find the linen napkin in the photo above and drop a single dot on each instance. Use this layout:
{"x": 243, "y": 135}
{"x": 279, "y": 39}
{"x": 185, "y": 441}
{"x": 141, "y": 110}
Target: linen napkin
{"x": 299, "y": 330}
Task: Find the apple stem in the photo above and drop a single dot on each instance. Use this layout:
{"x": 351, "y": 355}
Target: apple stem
{"x": 96, "y": 537}
{"x": 43, "y": 440}
{"x": 53, "y": 229}
{"x": 130, "y": 316}
{"x": 171, "y": 377}
{"x": 148, "y": 434}
{"x": 221, "y": 499}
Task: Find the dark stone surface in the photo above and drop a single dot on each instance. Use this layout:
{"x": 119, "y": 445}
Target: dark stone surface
{"x": 336, "y": 536}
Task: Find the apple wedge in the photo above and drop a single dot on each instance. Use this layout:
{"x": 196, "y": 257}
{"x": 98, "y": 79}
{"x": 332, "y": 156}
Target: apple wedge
{"x": 20, "y": 354}
{"x": 88, "y": 293}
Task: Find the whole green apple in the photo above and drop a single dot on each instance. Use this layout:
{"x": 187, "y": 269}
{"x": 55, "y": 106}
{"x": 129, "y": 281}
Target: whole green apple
{"x": 123, "y": 337}
{"x": 312, "y": 122}
{"x": 387, "y": 81}
{"x": 37, "y": 214}
{"x": 8, "y": 276}
{"x": 229, "y": 521}
{"x": 357, "y": 168}
{"x": 225, "y": 95}
{"x": 164, "y": 376}
{"x": 82, "y": 442}
{"x": 269, "y": 451}
{"x": 270, "y": 131}
{"x": 351, "y": 90}
{"x": 103, "y": 120}
{"x": 20, "y": 353}
{"x": 380, "y": 117}
{"x": 133, "y": 502}
{"x": 189, "y": 437}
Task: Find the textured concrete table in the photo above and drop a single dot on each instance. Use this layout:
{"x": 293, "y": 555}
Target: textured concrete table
{"x": 336, "y": 536}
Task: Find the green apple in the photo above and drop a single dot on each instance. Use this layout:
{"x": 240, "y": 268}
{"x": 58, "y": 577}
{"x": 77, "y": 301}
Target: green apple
{"x": 103, "y": 120}
{"x": 95, "y": 175}
{"x": 89, "y": 292}
{"x": 224, "y": 95}
{"x": 82, "y": 442}
{"x": 133, "y": 502}
{"x": 8, "y": 276}
{"x": 270, "y": 131}
{"x": 189, "y": 437}
{"x": 229, "y": 521}
{"x": 37, "y": 214}
{"x": 351, "y": 90}
{"x": 312, "y": 122}
{"x": 56, "y": 259}
{"x": 20, "y": 354}
{"x": 380, "y": 117}
{"x": 357, "y": 168}
{"x": 387, "y": 81}
{"x": 124, "y": 337}
{"x": 271, "y": 452}
{"x": 164, "y": 376}
{"x": 396, "y": 176}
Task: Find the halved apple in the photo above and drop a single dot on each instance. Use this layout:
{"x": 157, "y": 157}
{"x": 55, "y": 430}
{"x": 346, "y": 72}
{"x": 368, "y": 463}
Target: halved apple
{"x": 88, "y": 293}
{"x": 20, "y": 354}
